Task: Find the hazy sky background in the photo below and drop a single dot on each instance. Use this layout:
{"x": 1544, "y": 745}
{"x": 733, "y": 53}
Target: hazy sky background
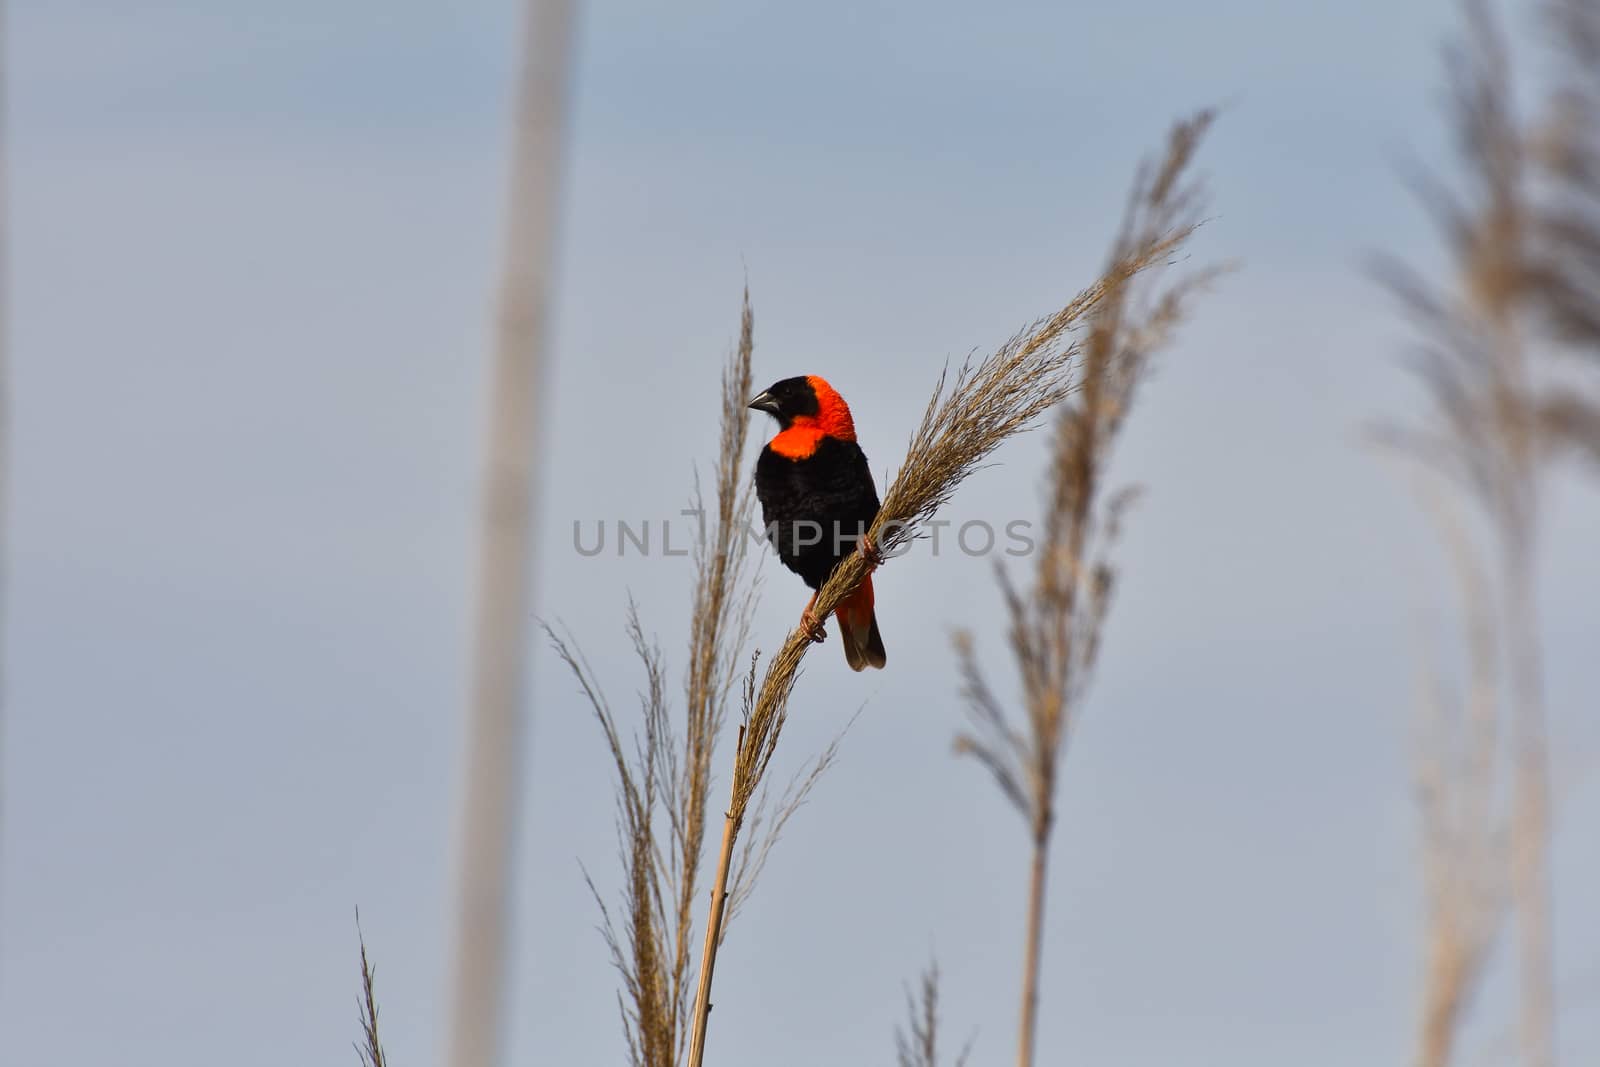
{"x": 254, "y": 251}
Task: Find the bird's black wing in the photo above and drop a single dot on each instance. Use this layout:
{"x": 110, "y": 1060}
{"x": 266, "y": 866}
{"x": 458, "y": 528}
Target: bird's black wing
{"x": 815, "y": 508}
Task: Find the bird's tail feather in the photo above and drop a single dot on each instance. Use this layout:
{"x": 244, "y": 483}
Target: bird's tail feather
{"x": 858, "y": 629}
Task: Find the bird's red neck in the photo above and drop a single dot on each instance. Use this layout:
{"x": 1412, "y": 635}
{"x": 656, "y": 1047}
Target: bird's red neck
{"x": 801, "y": 437}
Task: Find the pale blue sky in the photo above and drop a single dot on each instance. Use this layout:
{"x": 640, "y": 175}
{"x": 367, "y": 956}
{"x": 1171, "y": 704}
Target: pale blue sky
{"x": 253, "y": 252}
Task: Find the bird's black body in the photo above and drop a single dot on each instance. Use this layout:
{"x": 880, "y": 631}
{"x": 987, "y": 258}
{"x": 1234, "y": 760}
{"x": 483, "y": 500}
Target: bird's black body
{"x": 814, "y": 508}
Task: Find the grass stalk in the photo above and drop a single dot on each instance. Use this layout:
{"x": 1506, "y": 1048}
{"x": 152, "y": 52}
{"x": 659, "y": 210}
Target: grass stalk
{"x": 1056, "y": 625}
{"x": 1028, "y": 1026}
{"x": 917, "y": 1043}
{"x": 708, "y": 954}
{"x": 370, "y": 1048}
{"x": 663, "y": 779}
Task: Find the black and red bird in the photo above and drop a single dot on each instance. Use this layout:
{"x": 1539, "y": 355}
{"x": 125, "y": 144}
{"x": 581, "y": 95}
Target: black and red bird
{"x": 817, "y": 501}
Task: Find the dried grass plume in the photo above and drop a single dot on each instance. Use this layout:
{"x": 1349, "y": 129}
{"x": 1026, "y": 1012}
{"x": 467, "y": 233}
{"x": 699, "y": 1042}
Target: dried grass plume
{"x": 1057, "y": 623}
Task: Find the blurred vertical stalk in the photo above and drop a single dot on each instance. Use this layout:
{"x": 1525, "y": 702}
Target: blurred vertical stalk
{"x": 1531, "y": 817}
{"x": 491, "y": 777}
{"x": 1516, "y": 521}
{"x": 5, "y": 390}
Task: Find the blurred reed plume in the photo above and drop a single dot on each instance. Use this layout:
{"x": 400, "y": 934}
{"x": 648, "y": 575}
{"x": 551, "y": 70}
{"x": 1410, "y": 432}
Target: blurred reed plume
{"x": 917, "y": 1043}
{"x": 1565, "y": 277}
{"x": 1056, "y": 625}
{"x": 986, "y": 403}
{"x": 1493, "y": 355}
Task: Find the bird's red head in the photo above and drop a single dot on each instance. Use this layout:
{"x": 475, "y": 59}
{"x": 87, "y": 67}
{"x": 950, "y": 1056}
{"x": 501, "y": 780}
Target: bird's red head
{"x": 807, "y": 409}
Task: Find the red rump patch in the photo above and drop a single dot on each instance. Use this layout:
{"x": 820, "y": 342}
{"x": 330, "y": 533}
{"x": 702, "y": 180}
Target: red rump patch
{"x": 855, "y": 611}
{"x": 832, "y": 419}
{"x": 858, "y": 629}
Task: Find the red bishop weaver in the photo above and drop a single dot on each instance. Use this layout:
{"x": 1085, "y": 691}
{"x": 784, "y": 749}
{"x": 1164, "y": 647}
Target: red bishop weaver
{"x": 817, "y": 500}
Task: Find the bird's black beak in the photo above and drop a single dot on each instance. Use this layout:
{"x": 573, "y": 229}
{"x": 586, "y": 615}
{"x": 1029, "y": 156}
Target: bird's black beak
{"x": 766, "y": 402}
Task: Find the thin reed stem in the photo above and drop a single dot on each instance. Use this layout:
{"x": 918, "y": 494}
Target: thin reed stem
{"x": 708, "y": 955}
{"x": 1034, "y": 952}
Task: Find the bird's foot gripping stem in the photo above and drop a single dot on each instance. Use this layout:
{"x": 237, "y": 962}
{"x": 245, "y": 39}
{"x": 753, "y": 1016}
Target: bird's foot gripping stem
{"x": 815, "y": 628}
{"x": 870, "y": 551}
